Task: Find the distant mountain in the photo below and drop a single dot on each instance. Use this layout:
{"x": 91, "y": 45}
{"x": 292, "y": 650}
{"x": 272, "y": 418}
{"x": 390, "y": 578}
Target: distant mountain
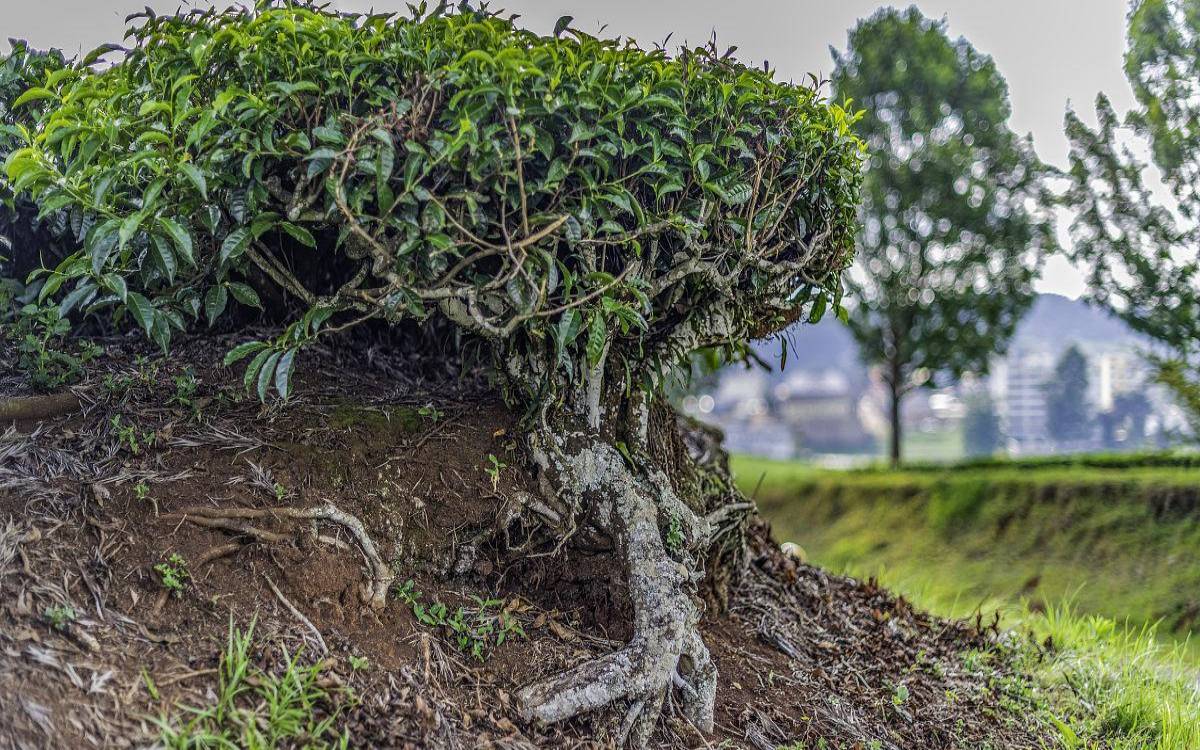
{"x": 826, "y": 345}
{"x": 1057, "y": 318}
{"x": 829, "y": 345}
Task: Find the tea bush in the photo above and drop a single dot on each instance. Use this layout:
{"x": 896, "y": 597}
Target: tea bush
{"x": 569, "y": 198}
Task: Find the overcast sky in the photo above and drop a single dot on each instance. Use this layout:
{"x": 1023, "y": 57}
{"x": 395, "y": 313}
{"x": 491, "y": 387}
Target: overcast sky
{"x": 1051, "y": 51}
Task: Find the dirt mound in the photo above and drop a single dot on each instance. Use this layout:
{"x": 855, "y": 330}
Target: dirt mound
{"x": 137, "y": 532}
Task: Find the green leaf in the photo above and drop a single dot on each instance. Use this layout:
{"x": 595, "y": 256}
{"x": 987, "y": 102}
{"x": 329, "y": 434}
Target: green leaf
{"x": 161, "y": 332}
{"x": 235, "y": 244}
{"x": 32, "y": 95}
{"x": 116, "y": 284}
{"x": 214, "y": 303}
{"x": 597, "y": 338}
{"x": 130, "y": 227}
{"x": 241, "y": 351}
{"x": 77, "y": 298}
{"x": 100, "y": 244}
{"x": 562, "y": 24}
{"x": 283, "y": 373}
{"x": 164, "y": 257}
{"x": 196, "y": 177}
{"x": 818, "y": 309}
{"x": 142, "y": 311}
{"x": 267, "y": 374}
{"x": 252, "y": 370}
{"x": 181, "y": 238}
{"x": 244, "y": 294}
{"x": 737, "y": 194}
{"x": 299, "y": 233}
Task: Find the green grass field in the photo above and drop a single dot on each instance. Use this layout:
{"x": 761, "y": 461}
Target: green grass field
{"x": 1097, "y": 556}
{"x": 1120, "y": 542}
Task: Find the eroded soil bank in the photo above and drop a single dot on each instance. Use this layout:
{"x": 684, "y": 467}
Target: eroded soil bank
{"x": 136, "y": 530}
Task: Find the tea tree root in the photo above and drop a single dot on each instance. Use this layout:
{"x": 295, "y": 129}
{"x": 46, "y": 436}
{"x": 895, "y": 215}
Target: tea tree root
{"x": 297, "y": 614}
{"x": 38, "y": 407}
{"x": 380, "y": 576}
{"x": 666, "y": 649}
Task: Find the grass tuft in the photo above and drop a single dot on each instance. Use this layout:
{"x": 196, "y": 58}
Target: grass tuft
{"x": 252, "y": 709}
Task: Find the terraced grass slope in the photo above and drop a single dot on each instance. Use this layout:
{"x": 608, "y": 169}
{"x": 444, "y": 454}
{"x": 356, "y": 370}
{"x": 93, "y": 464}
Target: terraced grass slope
{"x": 1091, "y": 562}
{"x": 1115, "y": 535}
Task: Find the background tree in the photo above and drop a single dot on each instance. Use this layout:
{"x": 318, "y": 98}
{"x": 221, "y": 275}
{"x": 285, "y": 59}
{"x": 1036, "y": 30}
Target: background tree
{"x": 1144, "y": 253}
{"x": 585, "y": 212}
{"x": 1068, "y": 415}
{"x": 981, "y": 426}
{"x": 954, "y": 215}
{"x": 1124, "y": 425}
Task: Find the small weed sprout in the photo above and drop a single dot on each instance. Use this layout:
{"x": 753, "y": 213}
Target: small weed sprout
{"x": 186, "y": 386}
{"x": 130, "y": 437}
{"x": 141, "y": 491}
{"x": 899, "y": 695}
{"x": 40, "y": 334}
{"x": 477, "y": 630}
{"x": 407, "y": 593}
{"x": 280, "y": 491}
{"x": 252, "y": 708}
{"x": 173, "y": 574}
{"x": 675, "y": 535}
{"x": 359, "y": 663}
{"x": 430, "y": 412}
{"x": 59, "y": 616}
{"x": 493, "y": 471}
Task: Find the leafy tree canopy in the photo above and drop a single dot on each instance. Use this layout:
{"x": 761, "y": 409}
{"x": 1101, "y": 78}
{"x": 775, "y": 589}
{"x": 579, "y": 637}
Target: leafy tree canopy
{"x": 955, "y": 215}
{"x": 576, "y": 201}
{"x": 982, "y": 435}
{"x": 1144, "y": 253}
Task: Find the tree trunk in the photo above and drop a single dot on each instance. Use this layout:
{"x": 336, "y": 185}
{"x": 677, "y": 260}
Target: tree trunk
{"x": 897, "y": 428}
{"x": 666, "y": 650}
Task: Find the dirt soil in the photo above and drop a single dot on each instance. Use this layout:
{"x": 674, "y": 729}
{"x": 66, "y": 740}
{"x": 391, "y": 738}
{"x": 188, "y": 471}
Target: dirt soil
{"x": 92, "y": 500}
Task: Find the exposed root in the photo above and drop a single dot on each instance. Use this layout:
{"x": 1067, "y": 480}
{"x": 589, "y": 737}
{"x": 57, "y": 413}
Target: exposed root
{"x": 666, "y": 647}
{"x": 234, "y": 519}
{"x": 297, "y": 614}
{"x": 38, "y": 407}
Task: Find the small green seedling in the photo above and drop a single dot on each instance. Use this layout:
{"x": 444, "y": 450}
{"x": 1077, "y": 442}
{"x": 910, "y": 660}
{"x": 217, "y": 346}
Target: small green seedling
{"x": 130, "y": 437}
{"x": 494, "y": 470}
{"x": 173, "y": 574}
{"x": 430, "y": 412}
{"x": 280, "y": 491}
{"x": 186, "y": 386}
{"x": 477, "y": 630}
{"x": 675, "y": 535}
{"x": 59, "y": 616}
{"x": 359, "y": 663}
{"x": 141, "y": 491}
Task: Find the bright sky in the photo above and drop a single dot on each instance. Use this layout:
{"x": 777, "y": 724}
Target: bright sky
{"x": 1051, "y": 51}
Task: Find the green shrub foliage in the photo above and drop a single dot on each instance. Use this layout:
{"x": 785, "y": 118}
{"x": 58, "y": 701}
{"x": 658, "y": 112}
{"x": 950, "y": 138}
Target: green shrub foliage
{"x": 581, "y": 203}
{"x": 22, "y": 237}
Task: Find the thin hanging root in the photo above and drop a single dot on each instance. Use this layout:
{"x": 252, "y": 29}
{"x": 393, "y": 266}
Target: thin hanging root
{"x": 234, "y": 519}
{"x": 666, "y": 641}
